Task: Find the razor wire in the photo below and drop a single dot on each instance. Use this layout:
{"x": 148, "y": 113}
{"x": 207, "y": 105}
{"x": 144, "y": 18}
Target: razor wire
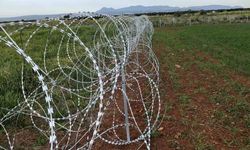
{"x": 96, "y": 78}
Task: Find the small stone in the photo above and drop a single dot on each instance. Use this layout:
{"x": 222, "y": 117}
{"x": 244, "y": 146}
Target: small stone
{"x": 177, "y": 135}
{"x": 160, "y": 129}
{"x": 178, "y": 66}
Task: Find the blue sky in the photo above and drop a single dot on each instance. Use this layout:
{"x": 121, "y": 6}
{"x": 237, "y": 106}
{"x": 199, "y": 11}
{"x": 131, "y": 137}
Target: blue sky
{"x": 10, "y": 8}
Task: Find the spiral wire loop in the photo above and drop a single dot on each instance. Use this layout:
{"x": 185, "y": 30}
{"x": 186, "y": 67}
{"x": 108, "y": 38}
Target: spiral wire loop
{"x": 94, "y": 77}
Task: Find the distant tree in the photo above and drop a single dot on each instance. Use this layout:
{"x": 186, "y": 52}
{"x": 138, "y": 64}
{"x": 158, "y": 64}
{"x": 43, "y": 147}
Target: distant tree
{"x": 66, "y": 16}
{"x": 177, "y": 14}
{"x": 202, "y": 12}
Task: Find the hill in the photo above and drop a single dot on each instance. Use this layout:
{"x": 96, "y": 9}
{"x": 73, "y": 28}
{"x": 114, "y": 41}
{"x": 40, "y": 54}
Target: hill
{"x": 150, "y": 9}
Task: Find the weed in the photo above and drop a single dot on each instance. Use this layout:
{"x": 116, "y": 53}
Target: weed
{"x": 41, "y": 140}
{"x": 184, "y": 99}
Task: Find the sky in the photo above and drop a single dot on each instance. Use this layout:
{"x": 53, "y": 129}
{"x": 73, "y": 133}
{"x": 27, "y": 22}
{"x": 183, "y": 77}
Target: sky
{"x": 10, "y": 8}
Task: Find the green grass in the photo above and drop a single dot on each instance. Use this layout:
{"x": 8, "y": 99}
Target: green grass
{"x": 229, "y": 43}
{"x": 11, "y": 62}
{"x": 184, "y": 99}
{"x": 204, "y": 92}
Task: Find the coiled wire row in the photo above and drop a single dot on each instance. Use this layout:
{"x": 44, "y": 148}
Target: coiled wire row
{"x": 94, "y": 78}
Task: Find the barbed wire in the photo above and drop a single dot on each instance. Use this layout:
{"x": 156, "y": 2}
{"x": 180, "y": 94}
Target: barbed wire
{"x": 95, "y": 78}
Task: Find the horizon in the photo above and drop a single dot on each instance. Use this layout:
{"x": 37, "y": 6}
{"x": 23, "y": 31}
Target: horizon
{"x": 118, "y": 8}
{"x": 31, "y": 7}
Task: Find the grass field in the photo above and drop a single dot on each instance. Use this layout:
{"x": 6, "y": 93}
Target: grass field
{"x": 11, "y": 62}
{"x": 205, "y": 86}
{"x": 205, "y": 72}
{"x": 227, "y": 43}
{"x": 201, "y": 17}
